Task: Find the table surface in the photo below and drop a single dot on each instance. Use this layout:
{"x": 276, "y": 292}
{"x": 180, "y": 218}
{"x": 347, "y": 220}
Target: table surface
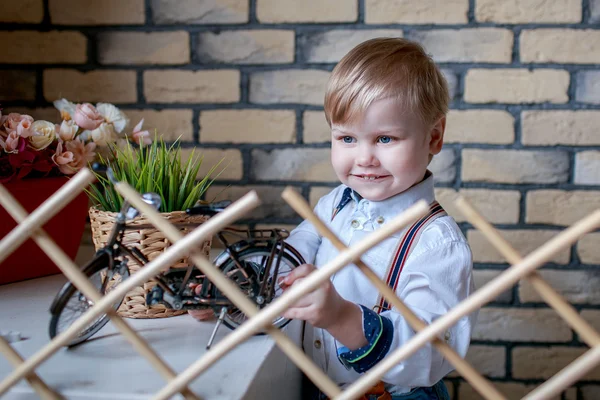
{"x": 107, "y": 366}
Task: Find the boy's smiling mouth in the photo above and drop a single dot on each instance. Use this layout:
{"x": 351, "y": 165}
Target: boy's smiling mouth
{"x": 369, "y": 177}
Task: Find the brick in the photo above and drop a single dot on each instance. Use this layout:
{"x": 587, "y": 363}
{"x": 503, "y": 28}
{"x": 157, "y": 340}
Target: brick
{"x": 292, "y": 165}
{"x": 443, "y": 166}
{"x": 560, "y": 127}
{"x": 171, "y": 124}
{"x": 278, "y": 11}
{"x": 559, "y": 207}
{"x": 487, "y": 360}
{"x": 590, "y": 392}
{"x": 331, "y": 45}
{"x": 52, "y": 47}
{"x": 112, "y": 86}
{"x": 128, "y": 48}
{"x": 246, "y": 47}
{"x": 587, "y": 168}
{"x": 232, "y": 162}
{"x": 316, "y": 193}
{"x": 273, "y": 205}
{"x": 173, "y": 86}
{"x": 316, "y": 128}
{"x": 570, "y": 46}
{"x": 50, "y": 114}
{"x": 587, "y": 87}
{"x": 446, "y": 197}
{"x": 515, "y": 166}
{"x": 182, "y": 12}
{"x": 578, "y": 287}
{"x": 540, "y": 362}
{"x": 483, "y": 277}
{"x": 496, "y": 206}
{"x": 101, "y": 12}
{"x": 592, "y": 317}
{"x": 511, "y": 390}
{"x": 571, "y": 393}
{"x": 247, "y": 126}
{"x": 594, "y": 10}
{"x": 479, "y": 126}
{"x": 523, "y": 240}
{"x": 588, "y": 249}
{"x": 304, "y": 86}
{"x": 410, "y": 12}
{"x": 493, "y": 45}
{"x": 521, "y": 325}
{"x": 524, "y": 11}
{"x": 22, "y": 12}
{"x": 515, "y": 86}
{"x": 17, "y": 85}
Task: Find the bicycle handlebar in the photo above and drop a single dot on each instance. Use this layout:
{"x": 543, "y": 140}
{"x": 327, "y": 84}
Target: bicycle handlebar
{"x": 102, "y": 169}
{"x": 209, "y": 209}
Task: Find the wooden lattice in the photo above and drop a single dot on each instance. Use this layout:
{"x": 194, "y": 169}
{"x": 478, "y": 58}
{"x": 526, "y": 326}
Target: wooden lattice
{"x": 522, "y": 268}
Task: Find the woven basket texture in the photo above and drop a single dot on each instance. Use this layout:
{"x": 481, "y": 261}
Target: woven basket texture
{"x": 151, "y": 242}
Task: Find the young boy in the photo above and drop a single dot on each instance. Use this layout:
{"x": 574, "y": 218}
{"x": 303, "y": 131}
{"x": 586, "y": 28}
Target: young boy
{"x": 386, "y": 103}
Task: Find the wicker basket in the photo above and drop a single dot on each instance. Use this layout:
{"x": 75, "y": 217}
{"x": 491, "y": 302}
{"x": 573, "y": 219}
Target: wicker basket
{"x": 151, "y": 242}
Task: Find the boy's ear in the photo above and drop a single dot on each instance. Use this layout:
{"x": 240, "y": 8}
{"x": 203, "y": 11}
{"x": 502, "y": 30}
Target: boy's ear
{"x": 436, "y": 136}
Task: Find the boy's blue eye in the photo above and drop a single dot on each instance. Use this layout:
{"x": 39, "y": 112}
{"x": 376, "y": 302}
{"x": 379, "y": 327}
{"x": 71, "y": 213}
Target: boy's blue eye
{"x": 385, "y": 139}
{"x": 347, "y": 139}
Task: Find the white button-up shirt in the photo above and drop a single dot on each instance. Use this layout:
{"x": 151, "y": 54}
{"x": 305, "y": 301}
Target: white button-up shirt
{"x": 436, "y": 277}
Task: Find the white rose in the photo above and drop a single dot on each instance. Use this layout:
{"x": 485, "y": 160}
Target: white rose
{"x": 113, "y": 115}
{"x": 104, "y": 134}
{"x": 67, "y": 130}
{"x": 45, "y": 133}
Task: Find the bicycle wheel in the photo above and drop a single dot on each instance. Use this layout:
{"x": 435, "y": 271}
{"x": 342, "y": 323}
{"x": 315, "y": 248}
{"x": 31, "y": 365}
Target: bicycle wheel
{"x": 70, "y": 303}
{"x": 254, "y": 260}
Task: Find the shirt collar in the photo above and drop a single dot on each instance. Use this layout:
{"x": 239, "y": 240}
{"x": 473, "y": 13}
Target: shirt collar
{"x": 390, "y": 208}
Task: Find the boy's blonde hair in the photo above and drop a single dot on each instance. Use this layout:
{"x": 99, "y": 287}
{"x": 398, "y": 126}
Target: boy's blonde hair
{"x": 386, "y": 68}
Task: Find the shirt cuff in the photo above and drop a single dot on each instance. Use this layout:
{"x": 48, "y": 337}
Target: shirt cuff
{"x": 379, "y": 332}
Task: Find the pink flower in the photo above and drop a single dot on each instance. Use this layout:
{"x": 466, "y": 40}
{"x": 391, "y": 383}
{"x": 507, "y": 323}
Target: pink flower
{"x": 139, "y": 136}
{"x": 87, "y": 117}
{"x": 13, "y": 143}
{"x": 75, "y": 156}
{"x": 15, "y": 122}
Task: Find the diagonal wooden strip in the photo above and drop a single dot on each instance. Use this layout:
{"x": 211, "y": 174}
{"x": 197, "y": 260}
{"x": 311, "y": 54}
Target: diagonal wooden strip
{"x": 173, "y": 253}
{"x": 482, "y": 385}
{"x": 565, "y": 378}
{"x": 45, "y": 211}
{"x": 73, "y": 273}
{"x": 487, "y": 293}
{"x": 34, "y": 381}
{"x": 549, "y": 295}
{"x": 233, "y": 293}
{"x": 292, "y": 295}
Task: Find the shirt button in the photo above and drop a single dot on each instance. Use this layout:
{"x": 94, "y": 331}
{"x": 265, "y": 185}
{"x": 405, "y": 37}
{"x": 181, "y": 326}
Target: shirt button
{"x": 447, "y": 336}
{"x": 380, "y": 220}
{"x": 317, "y": 344}
{"x": 355, "y": 224}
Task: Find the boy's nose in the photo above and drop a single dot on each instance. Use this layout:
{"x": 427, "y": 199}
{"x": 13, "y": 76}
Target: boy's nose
{"x": 366, "y": 157}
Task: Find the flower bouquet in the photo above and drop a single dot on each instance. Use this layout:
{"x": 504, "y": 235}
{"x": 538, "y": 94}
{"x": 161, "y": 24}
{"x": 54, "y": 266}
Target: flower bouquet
{"x": 40, "y": 148}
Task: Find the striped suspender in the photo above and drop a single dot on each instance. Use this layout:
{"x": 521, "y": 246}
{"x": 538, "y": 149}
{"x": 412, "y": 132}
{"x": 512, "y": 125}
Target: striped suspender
{"x": 405, "y": 246}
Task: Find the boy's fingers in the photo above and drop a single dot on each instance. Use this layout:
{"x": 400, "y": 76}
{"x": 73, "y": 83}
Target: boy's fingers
{"x": 298, "y": 272}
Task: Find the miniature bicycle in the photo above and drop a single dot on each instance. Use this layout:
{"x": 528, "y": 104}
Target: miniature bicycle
{"x": 255, "y": 260}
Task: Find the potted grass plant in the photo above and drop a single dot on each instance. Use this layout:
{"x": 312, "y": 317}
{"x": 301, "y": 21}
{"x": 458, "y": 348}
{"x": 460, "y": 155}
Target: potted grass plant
{"x": 160, "y": 168}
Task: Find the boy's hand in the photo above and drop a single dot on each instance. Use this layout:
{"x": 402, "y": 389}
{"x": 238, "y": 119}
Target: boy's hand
{"x": 201, "y": 315}
{"x": 321, "y": 307}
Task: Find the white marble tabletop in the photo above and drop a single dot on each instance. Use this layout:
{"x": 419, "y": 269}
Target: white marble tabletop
{"x": 107, "y": 366}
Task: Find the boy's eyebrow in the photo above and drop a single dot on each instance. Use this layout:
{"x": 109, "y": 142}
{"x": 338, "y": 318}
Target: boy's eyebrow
{"x": 382, "y": 132}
